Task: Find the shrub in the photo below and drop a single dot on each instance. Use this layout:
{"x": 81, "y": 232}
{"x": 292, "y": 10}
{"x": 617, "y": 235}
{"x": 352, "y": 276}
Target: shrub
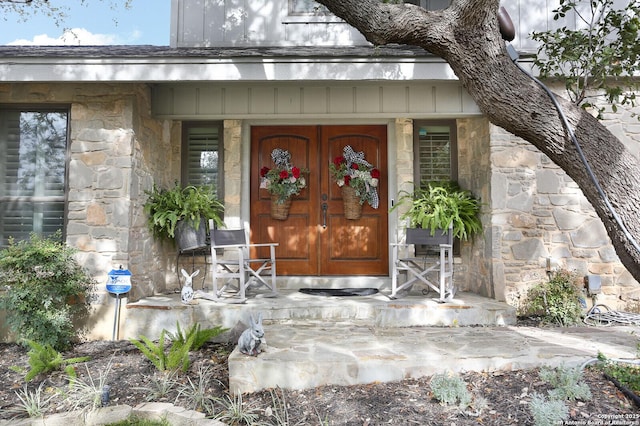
{"x": 548, "y": 412}
{"x": 178, "y": 356}
{"x": 181, "y": 344}
{"x": 556, "y": 301}
{"x": 195, "y": 335}
{"x": 45, "y": 359}
{"x": 46, "y": 289}
{"x": 450, "y": 389}
{"x": 627, "y": 374}
{"x": 567, "y": 383}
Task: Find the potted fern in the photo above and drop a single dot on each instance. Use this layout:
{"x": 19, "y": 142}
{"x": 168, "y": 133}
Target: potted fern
{"x": 437, "y": 205}
{"x": 182, "y": 214}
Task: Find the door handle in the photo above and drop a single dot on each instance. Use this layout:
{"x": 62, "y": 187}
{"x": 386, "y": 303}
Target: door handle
{"x": 325, "y": 207}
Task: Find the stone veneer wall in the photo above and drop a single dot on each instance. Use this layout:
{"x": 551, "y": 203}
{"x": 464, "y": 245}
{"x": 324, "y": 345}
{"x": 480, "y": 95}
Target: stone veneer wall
{"x": 474, "y": 171}
{"x": 116, "y": 151}
{"x": 538, "y": 212}
{"x": 233, "y": 168}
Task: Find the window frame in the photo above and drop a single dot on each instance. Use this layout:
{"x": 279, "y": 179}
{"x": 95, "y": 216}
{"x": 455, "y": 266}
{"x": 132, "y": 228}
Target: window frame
{"x": 184, "y": 158}
{"x": 453, "y": 158}
{"x": 64, "y": 198}
{"x": 320, "y": 10}
{"x": 453, "y": 148}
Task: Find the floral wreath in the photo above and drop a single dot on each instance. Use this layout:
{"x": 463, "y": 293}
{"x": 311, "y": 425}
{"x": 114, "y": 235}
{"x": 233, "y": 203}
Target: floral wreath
{"x": 284, "y": 180}
{"x": 351, "y": 169}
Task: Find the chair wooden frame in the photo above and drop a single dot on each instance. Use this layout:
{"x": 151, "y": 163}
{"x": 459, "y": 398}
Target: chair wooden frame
{"x": 417, "y": 268}
{"x": 241, "y": 266}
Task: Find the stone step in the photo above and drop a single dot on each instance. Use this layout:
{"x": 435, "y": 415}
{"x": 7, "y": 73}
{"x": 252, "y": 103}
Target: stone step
{"x": 317, "y": 353}
{"x": 151, "y": 315}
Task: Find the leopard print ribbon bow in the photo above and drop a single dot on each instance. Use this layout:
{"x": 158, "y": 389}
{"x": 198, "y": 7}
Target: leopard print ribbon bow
{"x": 281, "y": 157}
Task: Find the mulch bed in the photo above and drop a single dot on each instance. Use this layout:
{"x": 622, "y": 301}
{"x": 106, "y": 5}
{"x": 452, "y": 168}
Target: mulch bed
{"x": 501, "y": 398}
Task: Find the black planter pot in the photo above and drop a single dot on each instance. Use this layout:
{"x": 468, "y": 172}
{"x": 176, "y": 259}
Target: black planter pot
{"x": 189, "y": 238}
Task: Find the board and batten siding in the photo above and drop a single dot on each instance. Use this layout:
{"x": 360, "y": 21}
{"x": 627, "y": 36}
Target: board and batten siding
{"x": 245, "y": 23}
{"x": 218, "y": 101}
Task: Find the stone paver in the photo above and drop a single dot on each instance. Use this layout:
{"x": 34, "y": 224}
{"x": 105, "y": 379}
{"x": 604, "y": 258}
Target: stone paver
{"x": 176, "y": 416}
{"x": 299, "y": 356}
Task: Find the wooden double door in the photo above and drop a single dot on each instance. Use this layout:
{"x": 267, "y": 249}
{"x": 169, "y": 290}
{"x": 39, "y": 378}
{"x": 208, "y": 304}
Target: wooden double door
{"x": 316, "y": 239}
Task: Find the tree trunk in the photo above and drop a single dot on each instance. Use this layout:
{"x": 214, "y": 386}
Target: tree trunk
{"x": 467, "y": 36}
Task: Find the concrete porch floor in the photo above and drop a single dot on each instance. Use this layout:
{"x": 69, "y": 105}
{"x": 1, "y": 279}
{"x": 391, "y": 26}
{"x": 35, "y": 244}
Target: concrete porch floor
{"x": 312, "y": 340}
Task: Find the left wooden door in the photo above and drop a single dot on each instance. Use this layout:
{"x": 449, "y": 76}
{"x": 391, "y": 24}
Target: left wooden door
{"x": 297, "y": 252}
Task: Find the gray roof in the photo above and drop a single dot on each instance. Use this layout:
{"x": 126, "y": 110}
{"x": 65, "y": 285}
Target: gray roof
{"x": 147, "y": 51}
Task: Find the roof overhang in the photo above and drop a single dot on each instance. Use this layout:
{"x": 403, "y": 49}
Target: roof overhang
{"x": 163, "y": 64}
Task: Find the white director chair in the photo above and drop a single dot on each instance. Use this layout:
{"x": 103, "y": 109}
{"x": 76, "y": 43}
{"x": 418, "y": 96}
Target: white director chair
{"x": 417, "y": 269}
{"x": 233, "y": 265}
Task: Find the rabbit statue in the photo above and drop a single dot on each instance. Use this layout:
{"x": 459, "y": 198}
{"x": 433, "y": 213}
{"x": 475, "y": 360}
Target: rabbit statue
{"x": 250, "y": 339}
{"x": 186, "y": 295}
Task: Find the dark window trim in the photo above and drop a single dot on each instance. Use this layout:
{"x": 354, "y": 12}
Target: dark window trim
{"x": 452, "y": 123}
{"x": 52, "y": 107}
{"x": 184, "y": 160}
{"x": 453, "y": 126}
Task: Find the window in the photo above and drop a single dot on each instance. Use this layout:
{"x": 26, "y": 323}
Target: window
{"x": 307, "y": 7}
{"x": 33, "y": 170}
{"x": 430, "y": 4}
{"x": 435, "y": 151}
{"x": 202, "y": 154}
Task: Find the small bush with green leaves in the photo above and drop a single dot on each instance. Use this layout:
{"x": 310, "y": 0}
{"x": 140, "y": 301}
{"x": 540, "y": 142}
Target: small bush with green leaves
{"x": 177, "y": 357}
{"x": 46, "y": 290}
{"x": 628, "y": 375}
{"x": 567, "y": 383}
{"x": 556, "y": 301}
{"x": 548, "y": 412}
{"x": 179, "y": 348}
{"x": 45, "y": 359}
{"x": 195, "y": 335}
{"x": 450, "y": 389}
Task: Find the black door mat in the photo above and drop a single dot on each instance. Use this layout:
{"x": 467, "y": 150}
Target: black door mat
{"x": 339, "y": 291}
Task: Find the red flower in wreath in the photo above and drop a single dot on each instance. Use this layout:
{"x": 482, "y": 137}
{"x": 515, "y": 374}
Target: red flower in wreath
{"x": 352, "y": 170}
{"x": 284, "y": 180}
